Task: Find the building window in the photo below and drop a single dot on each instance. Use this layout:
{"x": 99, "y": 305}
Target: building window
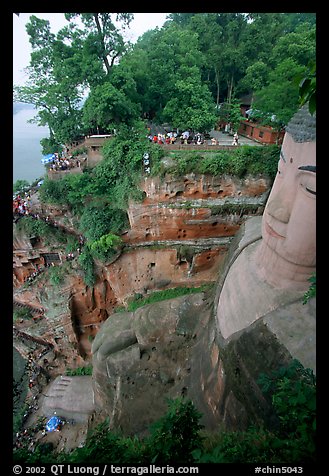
{"x": 261, "y": 133}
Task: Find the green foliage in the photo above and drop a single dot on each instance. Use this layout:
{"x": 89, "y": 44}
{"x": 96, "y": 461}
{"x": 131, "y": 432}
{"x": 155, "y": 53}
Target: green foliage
{"x": 234, "y": 114}
{"x": 118, "y": 176}
{"x": 179, "y": 72}
{"x": 157, "y": 296}
{"x": 312, "y": 289}
{"x": 86, "y": 263}
{"x": 79, "y": 371}
{"x": 72, "y": 190}
{"x": 307, "y": 88}
{"x": 281, "y": 95}
{"x": 292, "y": 390}
{"x": 79, "y": 151}
{"x": 252, "y": 446}
{"x": 72, "y": 244}
{"x": 191, "y": 106}
{"x": 18, "y": 417}
{"x": 240, "y": 161}
{"x": 103, "y": 446}
{"x": 105, "y": 247}
{"x": 98, "y": 219}
{"x": 22, "y": 313}
{"x": 39, "y": 228}
{"x": 54, "y": 191}
{"x": 57, "y": 274}
{"x": 20, "y": 185}
{"x": 175, "y": 435}
{"x": 49, "y": 145}
{"x": 108, "y": 106}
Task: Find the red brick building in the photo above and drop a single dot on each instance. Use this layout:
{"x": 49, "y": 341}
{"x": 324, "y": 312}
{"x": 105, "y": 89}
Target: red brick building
{"x": 263, "y": 134}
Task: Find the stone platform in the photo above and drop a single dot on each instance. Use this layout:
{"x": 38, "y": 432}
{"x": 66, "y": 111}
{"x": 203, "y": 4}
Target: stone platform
{"x": 69, "y": 397}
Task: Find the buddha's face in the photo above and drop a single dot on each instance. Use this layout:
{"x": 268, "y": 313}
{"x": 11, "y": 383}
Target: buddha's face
{"x": 289, "y": 220}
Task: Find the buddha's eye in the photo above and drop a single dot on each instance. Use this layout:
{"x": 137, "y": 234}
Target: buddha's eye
{"x": 308, "y": 184}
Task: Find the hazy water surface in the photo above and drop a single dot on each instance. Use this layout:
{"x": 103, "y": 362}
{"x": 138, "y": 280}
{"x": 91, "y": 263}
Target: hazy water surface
{"x": 26, "y": 146}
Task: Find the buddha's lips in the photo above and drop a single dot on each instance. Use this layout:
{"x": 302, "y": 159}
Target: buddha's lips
{"x": 272, "y": 232}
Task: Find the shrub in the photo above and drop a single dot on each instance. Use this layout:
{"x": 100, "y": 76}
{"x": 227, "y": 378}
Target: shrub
{"x": 240, "y": 161}
{"x": 175, "y": 435}
{"x": 311, "y": 292}
{"x": 86, "y": 263}
{"x": 99, "y": 219}
{"x": 105, "y": 247}
{"x": 79, "y": 371}
{"x": 20, "y": 186}
{"x": 292, "y": 390}
{"x": 22, "y": 313}
{"x": 105, "y": 446}
{"x": 57, "y": 274}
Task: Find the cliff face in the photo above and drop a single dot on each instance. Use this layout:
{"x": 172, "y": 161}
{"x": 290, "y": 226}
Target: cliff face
{"x": 175, "y": 348}
{"x": 178, "y": 236}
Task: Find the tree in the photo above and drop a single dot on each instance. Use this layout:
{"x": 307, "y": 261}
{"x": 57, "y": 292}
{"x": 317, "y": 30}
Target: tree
{"x": 170, "y": 55}
{"x": 233, "y": 60}
{"x": 210, "y": 36}
{"x": 20, "y": 185}
{"x": 104, "y": 35}
{"x": 53, "y": 86}
{"x": 191, "y": 106}
{"x": 256, "y": 77}
{"x": 220, "y": 43}
{"x": 235, "y": 116}
{"x": 299, "y": 45}
{"x": 176, "y": 435}
{"x": 62, "y": 66}
{"x": 289, "y": 59}
{"x": 98, "y": 219}
{"x": 107, "y": 107}
{"x": 280, "y": 97}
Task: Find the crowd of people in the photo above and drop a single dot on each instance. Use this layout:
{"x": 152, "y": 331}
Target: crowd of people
{"x": 65, "y": 163}
{"x": 21, "y": 205}
{"x": 187, "y": 137}
{"x": 172, "y": 137}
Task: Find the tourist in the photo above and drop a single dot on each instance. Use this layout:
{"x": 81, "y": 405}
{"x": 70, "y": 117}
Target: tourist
{"x": 235, "y": 139}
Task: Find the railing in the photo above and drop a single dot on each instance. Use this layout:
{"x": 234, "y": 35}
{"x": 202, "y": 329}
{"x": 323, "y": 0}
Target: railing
{"x": 197, "y": 147}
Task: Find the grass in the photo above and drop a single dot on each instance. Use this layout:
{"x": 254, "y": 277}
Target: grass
{"x": 164, "y": 295}
{"x": 79, "y": 371}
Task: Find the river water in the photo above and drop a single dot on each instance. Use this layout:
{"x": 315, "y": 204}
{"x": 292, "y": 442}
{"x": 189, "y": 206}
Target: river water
{"x": 27, "y": 153}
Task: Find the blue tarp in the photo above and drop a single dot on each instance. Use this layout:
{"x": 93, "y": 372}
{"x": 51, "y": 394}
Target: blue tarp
{"x": 46, "y": 159}
{"x": 53, "y": 423}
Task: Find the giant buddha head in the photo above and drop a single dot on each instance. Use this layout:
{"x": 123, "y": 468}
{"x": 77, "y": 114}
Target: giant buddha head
{"x": 287, "y": 254}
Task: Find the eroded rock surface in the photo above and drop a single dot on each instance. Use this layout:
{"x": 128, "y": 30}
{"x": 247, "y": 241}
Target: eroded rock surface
{"x": 141, "y": 358}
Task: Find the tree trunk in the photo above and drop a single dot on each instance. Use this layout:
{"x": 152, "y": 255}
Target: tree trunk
{"x": 230, "y": 89}
{"x": 217, "y": 83}
{"x": 99, "y": 29}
